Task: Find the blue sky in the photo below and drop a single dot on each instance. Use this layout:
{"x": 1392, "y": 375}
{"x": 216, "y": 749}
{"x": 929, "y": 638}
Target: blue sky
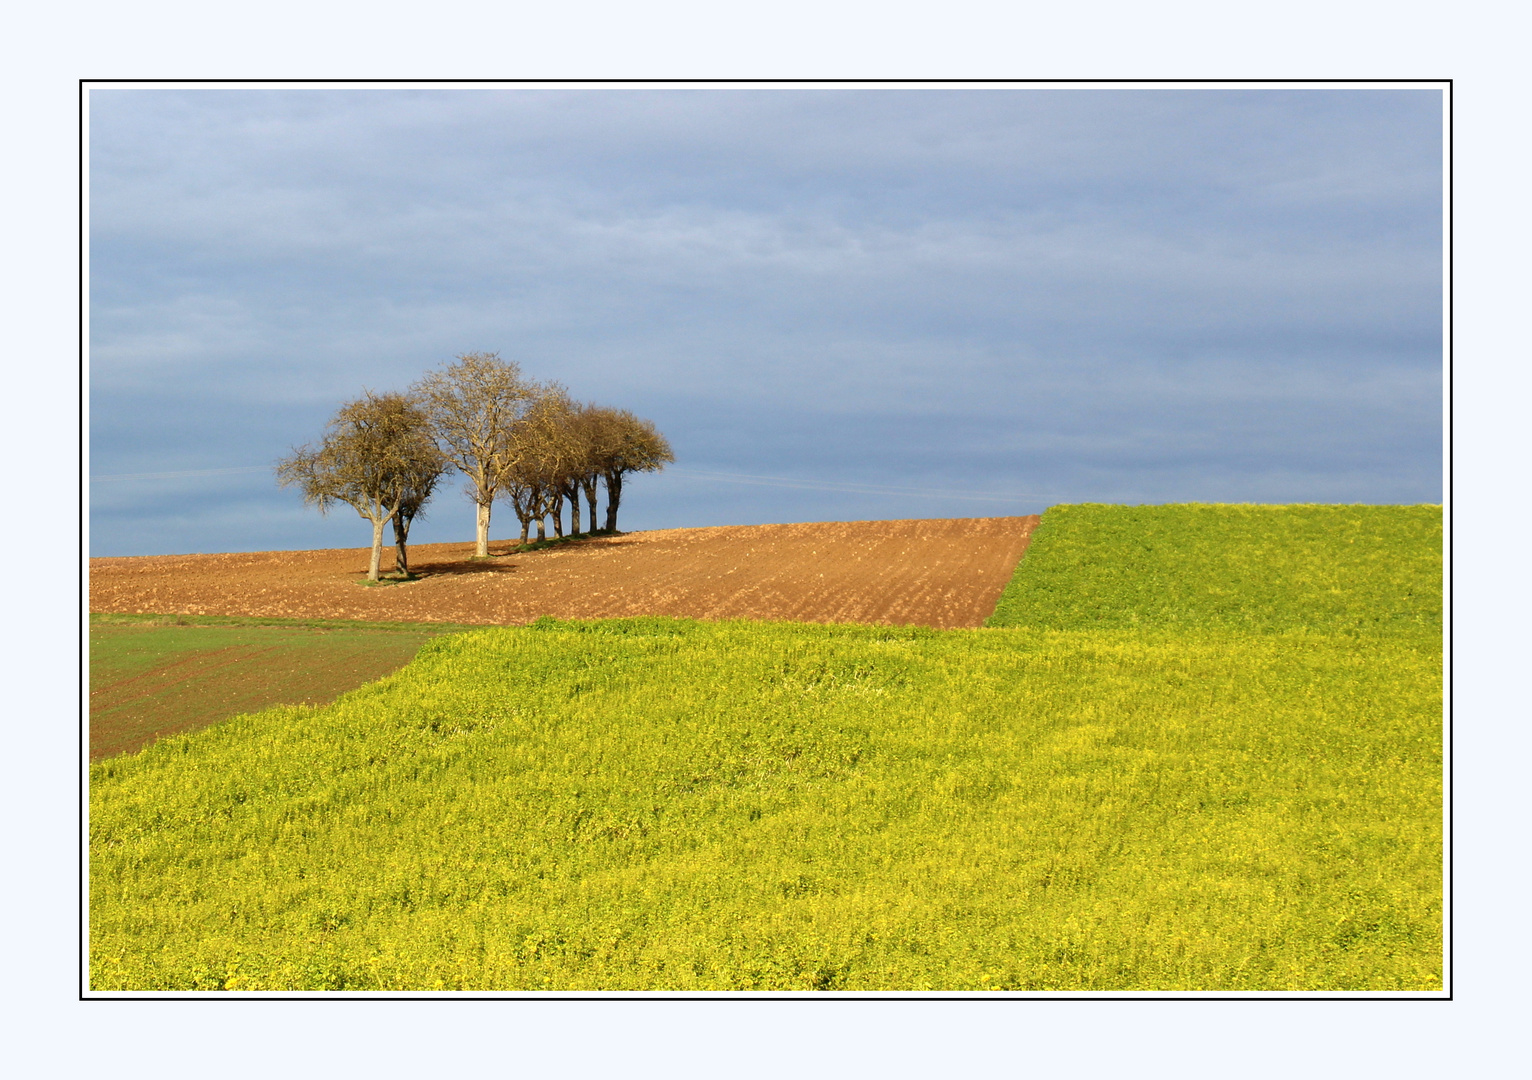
{"x": 838, "y": 304}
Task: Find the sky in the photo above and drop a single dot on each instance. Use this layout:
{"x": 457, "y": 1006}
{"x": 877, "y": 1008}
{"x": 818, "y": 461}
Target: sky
{"x": 838, "y": 304}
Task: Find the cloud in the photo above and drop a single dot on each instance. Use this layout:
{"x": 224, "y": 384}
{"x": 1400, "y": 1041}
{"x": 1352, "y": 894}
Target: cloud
{"x": 1215, "y": 283}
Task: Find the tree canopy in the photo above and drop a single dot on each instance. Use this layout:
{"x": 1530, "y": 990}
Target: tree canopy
{"x": 530, "y": 444}
{"x": 625, "y": 444}
{"x": 377, "y": 456}
{"x": 476, "y": 406}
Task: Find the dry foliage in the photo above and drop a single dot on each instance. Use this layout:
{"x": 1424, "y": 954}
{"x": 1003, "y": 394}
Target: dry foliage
{"x": 476, "y": 407}
{"x": 377, "y": 457}
{"x": 529, "y": 444}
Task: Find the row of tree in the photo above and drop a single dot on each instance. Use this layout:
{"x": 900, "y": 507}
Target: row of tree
{"x": 525, "y": 443}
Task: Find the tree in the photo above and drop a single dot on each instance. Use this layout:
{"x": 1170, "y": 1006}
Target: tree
{"x": 476, "y": 406}
{"x": 525, "y": 499}
{"x": 417, "y": 493}
{"x": 591, "y": 425}
{"x": 377, "y": 456}
{"x": 583, "y": 432}
{"x": 625, "y": 444}
{"x": 557, "y": 451}
{"x": 548, "y": 452}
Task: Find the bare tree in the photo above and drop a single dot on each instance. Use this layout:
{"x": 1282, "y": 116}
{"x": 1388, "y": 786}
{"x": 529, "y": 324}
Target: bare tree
{"x": 476, "y": 406}
{"x": 557, "y": 450}
{"x": 418, "y": 492}
{"x": 625, "y": 444}
{"x": 540, "y": 480}
{"x": 377, "y": 454}
{"x": 582, "y": 431}
{"x": 524, "y": 497}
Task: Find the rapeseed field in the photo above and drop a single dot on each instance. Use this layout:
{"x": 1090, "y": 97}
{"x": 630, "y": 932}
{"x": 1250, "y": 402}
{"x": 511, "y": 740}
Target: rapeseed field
{"x": 1222, "y": 801}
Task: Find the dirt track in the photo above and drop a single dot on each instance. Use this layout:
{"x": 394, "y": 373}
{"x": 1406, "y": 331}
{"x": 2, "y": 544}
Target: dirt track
{"x": 943, "y": 573}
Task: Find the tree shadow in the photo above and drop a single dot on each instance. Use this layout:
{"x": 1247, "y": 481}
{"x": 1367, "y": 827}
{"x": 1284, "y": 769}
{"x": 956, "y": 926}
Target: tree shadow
{"x": 503, "y": 558}
{"x": 457, "y": 567}
{"x": 506, "y": 560}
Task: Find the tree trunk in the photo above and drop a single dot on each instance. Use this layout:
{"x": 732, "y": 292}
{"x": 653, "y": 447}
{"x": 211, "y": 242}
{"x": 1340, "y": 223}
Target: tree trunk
{"x": 481, "y": 540}
{"x": 590, "y": 499}
{"x": 542, "y": 528}
{"x": 574, "y": 510}
{"x": 401, "y": 533}
{"x": 526, "y": 523}
{"x": 558, "y": 514}
{"x": 613, "y": 497}
{"x": 377, "y": 547}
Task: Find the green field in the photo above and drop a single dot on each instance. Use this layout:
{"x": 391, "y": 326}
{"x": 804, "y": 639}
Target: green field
{"x": 157, "y": 675}
{"x": 1206, "y": 799}
{"x": 1262, "y": 569}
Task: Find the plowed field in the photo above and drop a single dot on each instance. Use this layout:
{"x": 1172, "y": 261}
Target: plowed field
{"x": 941, "y": 573}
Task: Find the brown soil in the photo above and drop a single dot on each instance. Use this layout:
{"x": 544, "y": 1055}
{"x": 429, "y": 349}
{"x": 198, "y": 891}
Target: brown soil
{"x": 941, "y": 573}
